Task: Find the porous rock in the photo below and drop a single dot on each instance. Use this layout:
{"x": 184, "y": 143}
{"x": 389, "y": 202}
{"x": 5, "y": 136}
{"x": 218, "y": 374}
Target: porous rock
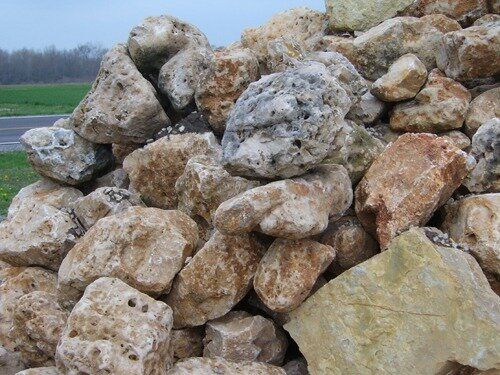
{"x": 482, "y": 109}
{"x": 215, "y": 366}
{"x": 52, "y": 370}
{"x": 186, "y": 343}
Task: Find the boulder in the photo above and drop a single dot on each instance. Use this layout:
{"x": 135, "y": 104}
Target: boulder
{"x": 284, "y": 53}
{"x": 414, "y": 176}
{"x": 40, "y": 371}
{"x": 458, "y": 138}
{"x": 215, "y": 280}
{"x": 465, "y": 12}
{"x": 422, "y": 298}
{"x": 122, "y": 106}
{"x": 283, "y": 124}
{"x": 483, "y": 108}
{"x": 288, "y": 270}
{"x": 440, "y": 106}
{"x": 116, "y": 329}
{"x": 240, "y": 337}
{"x": 186, "y": 343}
{"x": 293, "y": 209}
{"x": 64, "y": 156}
{"x": 215, "y": 366}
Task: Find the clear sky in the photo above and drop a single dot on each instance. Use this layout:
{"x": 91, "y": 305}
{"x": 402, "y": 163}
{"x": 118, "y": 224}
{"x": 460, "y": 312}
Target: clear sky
{"x": 67, "y": 23}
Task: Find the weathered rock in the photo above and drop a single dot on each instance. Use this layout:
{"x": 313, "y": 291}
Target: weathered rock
{"x": 216, "y": 366}
{"x": 122, "y": 150}
{"x": 122, "y": 106}
{"x": 162, "y": 162}
{"x": 215, "y": 279}
{"x": 485, "y": 177}
{"x": 144, "y": 247}
{"x": 40, "y": 371}
{"x": 195, "y": 122}
{"x": 284, "y": 53}
{"x": 283, "y": 125}
{"x": 441, "y": 105}
{"x": 10, "y": 362}
{"x": 115, "y": 329}
{"x": 205, "y": 184}
{"x": 287, "y": 272}
{"x": 403, "y": 187}
{"x": 239, "y": 337}
{"x": 458, "y": 138}
{"x": 368, "y": 110}
{"x": 221, "y": 86}
{"x": 114, "y": 179}
{"x": 403, "y": 81}
{"x": 475, "y": 221}
{"x": 483, "y": 108}
{"x": 64, "y": 156}
{"x": 465, "y": 12}
{"x": 186, "y": 343}
{"x": 396, "y": 315}
{"x": 293, "y": 209}
{"x": 296, "y": 367}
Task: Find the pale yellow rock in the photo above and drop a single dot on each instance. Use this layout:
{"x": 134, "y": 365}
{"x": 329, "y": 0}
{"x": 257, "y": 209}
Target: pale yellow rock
{"x": 219, "y": 366}
{"x": 186, "y": 343}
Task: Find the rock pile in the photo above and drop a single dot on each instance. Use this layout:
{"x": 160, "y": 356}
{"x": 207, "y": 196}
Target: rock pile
{"x": 321, "y": 197}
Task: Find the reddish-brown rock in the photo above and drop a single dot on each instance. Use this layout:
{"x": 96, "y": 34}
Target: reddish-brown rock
{"x": 186, "y": 343}
{"x": 465, "y": 12}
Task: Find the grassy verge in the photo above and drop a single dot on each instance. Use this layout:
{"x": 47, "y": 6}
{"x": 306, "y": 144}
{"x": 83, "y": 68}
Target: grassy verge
{"x": 15, "y": 173}
{"x": 23, "y": 100}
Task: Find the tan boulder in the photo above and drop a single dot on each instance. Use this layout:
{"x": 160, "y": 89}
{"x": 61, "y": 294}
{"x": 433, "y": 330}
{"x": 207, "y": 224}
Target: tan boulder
{"x": 40, "y": 371}
{"x": 465, "y": 12}
{"x": 186, "y": 343}
{"x": 483, "y": 108}
{"x": 116, "y": 329}
{"x": 414, "y": 176}
{"x": 218, "y": 366}
{"x": 422, "y": 298}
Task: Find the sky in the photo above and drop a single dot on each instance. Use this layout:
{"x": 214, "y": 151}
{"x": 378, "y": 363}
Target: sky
{"x": 67, "y": 23}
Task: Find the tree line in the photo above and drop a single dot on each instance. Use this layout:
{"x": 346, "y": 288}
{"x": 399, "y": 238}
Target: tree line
{"x": 50, "y": 65}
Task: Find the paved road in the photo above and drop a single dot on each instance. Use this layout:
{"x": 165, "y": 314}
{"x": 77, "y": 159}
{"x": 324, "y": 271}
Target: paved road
{"x": 11, "y": 128}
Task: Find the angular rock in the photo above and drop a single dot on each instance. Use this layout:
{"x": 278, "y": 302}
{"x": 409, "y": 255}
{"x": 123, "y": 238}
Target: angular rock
{"x": 64, "y": 156}
{"x": 239, "y": 337}
{"x": 393, "y": 311}
{"x": 403, "y": 81}
{"x": 483, "y": 108}
{"x": 115, "y": 179}
{"x": 10, "y": 362}
{"x": 282, "y": 125}
{"x": 186, "y": 343}
{"x": 284, "y": 53}
{"x": 368, "y": 110}
{"x": 465, "y": 12}
{"x": 40, "y": 371}
{"x": 215, "y": 279}
{"x": 215, "y": 366}
{"x": 383, "y": 133}
{"x": 144, "y": 247}
{"x": 441, "y": 105}
{"x": 287, "y": 272}
{"x": 122, "y": 106}
{"x": 115, "y": 329}
{"x": 458, "y": 138}
{"x": 404, "y": 186}
{"x": 162, "y": 162}
{"x": 293, "y": 209}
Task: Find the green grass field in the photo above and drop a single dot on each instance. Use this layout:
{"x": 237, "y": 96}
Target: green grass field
{"x": 23, "y": 100}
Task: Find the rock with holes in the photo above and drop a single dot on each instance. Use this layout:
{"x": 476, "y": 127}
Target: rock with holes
{"x": 40, "y": 371}
{"x": 456, "y": 322}
{"x": 283, "y": 125}
{"x": 215, "y": 280}
{"x": 186, "y": 343}
{"x": 294, "y": 209}
{"x": 64, "y": 156}
{"x": 482, "y": 109}
{"x": 414, "y": 176}
{"x": 154, "y": 169}
{"x": 145, "y": 247}
{"x": 441, "y": 105}
{"x": 287, "y": 272}
{"x": 10, "y": 362}
{"x": 116, "y": 329}
{"x": 212, "y": 366}
{"x": 239, "y": 337}
{"x": 122, "y": 106}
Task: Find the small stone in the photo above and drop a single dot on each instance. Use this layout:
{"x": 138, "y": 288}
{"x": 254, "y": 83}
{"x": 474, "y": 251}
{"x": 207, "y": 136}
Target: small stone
{"x": 64, "y": 156}
{"x": 186, "y": 343}
{"x": 458, "y": 138}
{"x": 482, "y": 109}
{"x": 368, "y": 110}
{"x": 287, "y": 272}
{"x": 215, "y": 366}
{"x": 116, "y": 329}
{"x": 440, "y": 106}
{"x": 405, "y": 185}
{"x": 114, "y": 179}
{"x": 296, "y": 367}
{"x": 292, "y": 209}
{"x": 40, "y": 371}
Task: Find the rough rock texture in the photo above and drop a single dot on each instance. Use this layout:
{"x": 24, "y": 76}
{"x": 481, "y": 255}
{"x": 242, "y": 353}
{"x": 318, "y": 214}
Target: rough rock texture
{"x": 287, "y": 272}
{"x": 458, "y": 138}
{"x": 465, "y": 12}
{"x": 296, "y": 367}
{"x": 115, "y": 329}
{"x": 403, "y": 81}
{"x": 162, "y": 162}
{"x": 483, "y": 108}
{"x": 40, "y": 371}
{"x": 186, "y": 343}
{"x": 284, "y": 53}
{"x": 219, "y": 366}
{"x": 359, "y": 15}
{"x": 122, "y": 150}
{"x": 114, "y": 179}
{"x": 221, "y": 86}
{"x": 283, "y": 125}
{"x": 64, "y": 156}
{"x": 293, "y": 209}
{"x": 403, "y": 187}
{"x": 145, "y": 247}
{"x": 103, "y": 202}
{"x": 239, "y": 337}
{"x": 215, "y": 279}
{"x": 441, "y": 105}
{"x": 485, "y": 177}
{"x": 122, "y": 106}
{"x": 368, "y": 110}
{"x": 10, "y": 362}
{"x": 475, "y": 221}
{"x": 205, "y": 184}
{"x": 416, "y": 300}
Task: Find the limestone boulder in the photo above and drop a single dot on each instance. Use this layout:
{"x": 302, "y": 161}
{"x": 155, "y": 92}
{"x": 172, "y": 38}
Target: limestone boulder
{"x": 64, "y": 156}
{"x": 115, "y": 329}
{"x": 482, "y": 109}
{"x": 465, "y": 12}
{"x": 186, "y": 343}
{"x": 52, "y": 370}
{"x": 215, "y": 366}
{"x": 414, "y": 176}
{"x": 293, "y": 209}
